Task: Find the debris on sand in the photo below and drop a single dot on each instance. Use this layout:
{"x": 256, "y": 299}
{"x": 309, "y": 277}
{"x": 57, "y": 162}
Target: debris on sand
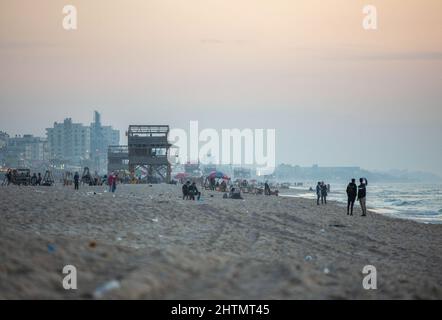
{"x": 105, "y": 288}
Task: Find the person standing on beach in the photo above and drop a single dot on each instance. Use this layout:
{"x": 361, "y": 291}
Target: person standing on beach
{"x": 110, "y": 181}
{"x": 267, "y": 191}
{"x": 318, "y": 192}
{"x": 352, "y": 190}
{"x": 323, "y": 193}
{"x": 185, "y": 190}
{"x": 76, "y": 180}
{"x": 362, "y": 194}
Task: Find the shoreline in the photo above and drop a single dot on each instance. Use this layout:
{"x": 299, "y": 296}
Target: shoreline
{"x": 393, "y": 213}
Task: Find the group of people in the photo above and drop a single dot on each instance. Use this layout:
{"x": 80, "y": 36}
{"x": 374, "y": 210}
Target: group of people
{"x": 322, "y": 191}
{"x": 359, "y": 192}
{"x": 35, "y": 179}
{"x": 111, "y": 181}
{"x": 354, "y": 192}
{"x": 190, "y": 191}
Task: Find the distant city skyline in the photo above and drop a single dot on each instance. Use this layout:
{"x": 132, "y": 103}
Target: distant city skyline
{"x": 336, "y": 94}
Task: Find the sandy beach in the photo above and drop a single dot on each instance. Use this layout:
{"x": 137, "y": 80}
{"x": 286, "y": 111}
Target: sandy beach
{"x": 157, "y": 246}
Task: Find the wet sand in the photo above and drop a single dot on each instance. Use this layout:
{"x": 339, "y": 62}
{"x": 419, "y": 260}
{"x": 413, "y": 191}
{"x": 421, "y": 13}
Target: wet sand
{"x": 158, "y": 246}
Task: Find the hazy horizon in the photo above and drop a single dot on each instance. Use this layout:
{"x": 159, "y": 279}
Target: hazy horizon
{"x": 336, "y": 94}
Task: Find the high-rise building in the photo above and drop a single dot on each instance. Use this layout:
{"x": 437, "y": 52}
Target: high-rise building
{"x": 77, "y": 144}
{"x": 101, "y": 138}
{"x": 69, "y": 142}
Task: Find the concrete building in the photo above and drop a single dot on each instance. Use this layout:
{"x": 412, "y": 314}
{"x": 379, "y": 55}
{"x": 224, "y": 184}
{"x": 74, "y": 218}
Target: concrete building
{"x": 69, "y": 142}
{"x": 4, "y": 137}
{"x": 26, "y": 151}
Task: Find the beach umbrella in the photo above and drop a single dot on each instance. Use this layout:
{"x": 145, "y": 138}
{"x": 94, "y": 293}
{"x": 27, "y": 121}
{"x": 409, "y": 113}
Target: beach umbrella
{"x": 218, "y": 175}
{"x": 181, "y": 175}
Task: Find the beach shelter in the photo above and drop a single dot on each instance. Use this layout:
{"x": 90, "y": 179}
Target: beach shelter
{"x": 218, "y": 175}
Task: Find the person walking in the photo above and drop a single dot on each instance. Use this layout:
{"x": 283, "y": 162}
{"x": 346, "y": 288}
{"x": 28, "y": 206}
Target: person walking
{"x": 352, "y": 191}
{"x": 76, "y": 180}
{"x": 362, "y": 195}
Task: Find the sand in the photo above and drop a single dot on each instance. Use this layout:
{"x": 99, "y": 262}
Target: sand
{"x": 157, "y": 246}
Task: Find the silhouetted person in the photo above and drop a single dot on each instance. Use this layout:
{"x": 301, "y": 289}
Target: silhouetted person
{"x": 362, "y": 194}
{"x": 39, "y": 178}
{"x": 318, "y": 192}
{"x": 114, "y": 183}
{"x": 352, "y": 191}
{"x": 193, "y": 191}
{"x": 323, "y": 193}
{"x": 266, "y": 189}
{"x": 185, "y": 190}
{"x": 76, "y": 180}
{"x": 34, "y": 179}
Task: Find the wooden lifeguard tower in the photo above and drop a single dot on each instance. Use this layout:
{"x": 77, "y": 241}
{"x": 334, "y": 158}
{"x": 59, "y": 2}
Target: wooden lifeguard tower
{"x": 117, "y": 158}
{"x": 148, "y": 150}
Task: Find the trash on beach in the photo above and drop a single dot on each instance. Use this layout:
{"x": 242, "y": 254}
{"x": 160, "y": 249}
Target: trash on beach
{"x": 322, "y": 230}
{"x": 119, "y": 239}
{"x": 326, "y": 271}
{"x": 105, "y": 288}
{"x": 308, "y": 258}
{"x": 51, "y": 248}
{"x": 92, "y": 244}
{"x": 337, "y": 225}
{"x": 155, "y": 220}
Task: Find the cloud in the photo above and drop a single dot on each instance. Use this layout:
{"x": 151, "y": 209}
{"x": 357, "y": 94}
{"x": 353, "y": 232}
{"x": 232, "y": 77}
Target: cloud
{"x": 390, "y": 56}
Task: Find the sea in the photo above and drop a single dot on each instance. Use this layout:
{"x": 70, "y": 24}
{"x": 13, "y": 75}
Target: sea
{"x": 421, "y": 202}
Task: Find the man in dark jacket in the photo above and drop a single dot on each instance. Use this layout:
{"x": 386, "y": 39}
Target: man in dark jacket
{"x": 362, "y": 194}
{"x": 76, "y": 180}
{"x": 323, "y": 193}
{"x": 352, "y": 191}
{"x": 318, "y": 192}
{"x": 193, "y": 191}
{"x": 185, "y": 190}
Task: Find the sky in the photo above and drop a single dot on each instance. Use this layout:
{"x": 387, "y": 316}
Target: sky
{"x": 336, "y": 94}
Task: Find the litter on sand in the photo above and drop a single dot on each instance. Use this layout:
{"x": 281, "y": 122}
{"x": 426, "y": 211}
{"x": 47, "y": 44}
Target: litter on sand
{"x": 105, "y": 288}
{"x": 308, "y": 258}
